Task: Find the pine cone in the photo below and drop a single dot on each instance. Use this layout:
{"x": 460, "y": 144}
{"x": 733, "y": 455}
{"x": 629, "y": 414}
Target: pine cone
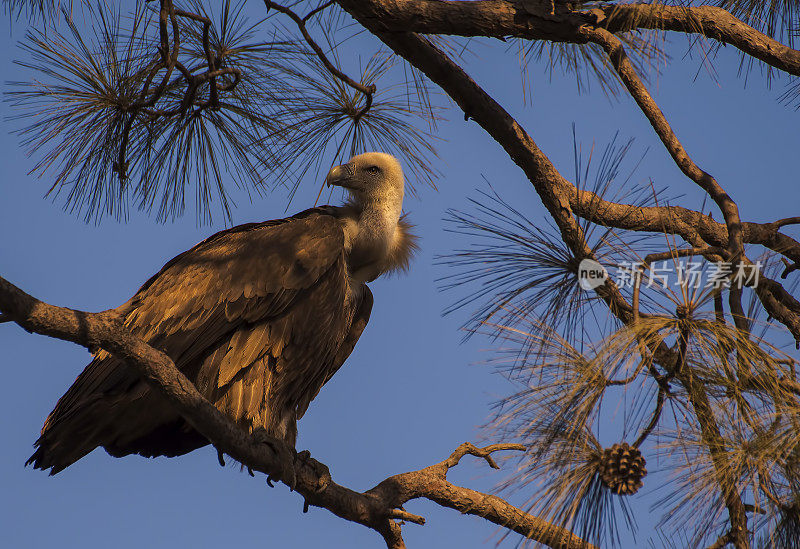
{"x": 622, "y": 469}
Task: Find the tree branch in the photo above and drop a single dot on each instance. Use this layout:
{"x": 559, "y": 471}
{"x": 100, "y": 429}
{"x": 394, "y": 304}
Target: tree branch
{"x": 377, "y": 509}
{"x": 619, "y": 60}
{"x": 431, "y": 483}
{"x": 713, "y": 440}
{"x": 501, "y": 18}
{"x": 709, "y": 21}
{"x": 366, "y": 91}
{"x": 558, "y": 194}
{"x": 553, "y": 189}
{"x": 688, "y": 224}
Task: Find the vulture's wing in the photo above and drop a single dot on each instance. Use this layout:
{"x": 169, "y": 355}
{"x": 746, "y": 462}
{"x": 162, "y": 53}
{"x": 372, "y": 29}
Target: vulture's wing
{"x": 258, "y": 316}
{"x": 357, "y": 326}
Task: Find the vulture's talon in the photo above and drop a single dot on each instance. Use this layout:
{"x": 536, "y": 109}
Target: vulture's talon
{"x": 284, "y": 454}
{"x": 321, "y": 471}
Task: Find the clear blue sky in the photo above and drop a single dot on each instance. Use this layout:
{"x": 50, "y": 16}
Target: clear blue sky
{"x": 411, "y": 392}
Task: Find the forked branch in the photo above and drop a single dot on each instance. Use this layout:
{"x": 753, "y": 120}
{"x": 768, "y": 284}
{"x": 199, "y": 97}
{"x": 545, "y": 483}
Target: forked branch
{"x": 149, "y": 97}
{"x": 619, "y": 60}
{"x": 379, "y": 509}
{"x": 367, "y": 91}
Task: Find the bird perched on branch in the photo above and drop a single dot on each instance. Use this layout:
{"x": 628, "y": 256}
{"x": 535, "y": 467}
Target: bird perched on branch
{"x": 259, "y": 317}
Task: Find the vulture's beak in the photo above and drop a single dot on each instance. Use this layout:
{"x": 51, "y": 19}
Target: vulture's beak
{"x": 341, "y": 176}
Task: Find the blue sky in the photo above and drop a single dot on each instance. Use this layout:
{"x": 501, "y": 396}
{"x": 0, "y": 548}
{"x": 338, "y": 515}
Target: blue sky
{"x": 411, "y": 391}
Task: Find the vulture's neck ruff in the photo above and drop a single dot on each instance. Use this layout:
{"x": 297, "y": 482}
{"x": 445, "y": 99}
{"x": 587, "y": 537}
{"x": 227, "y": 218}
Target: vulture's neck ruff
{"x": 378, "y": 240}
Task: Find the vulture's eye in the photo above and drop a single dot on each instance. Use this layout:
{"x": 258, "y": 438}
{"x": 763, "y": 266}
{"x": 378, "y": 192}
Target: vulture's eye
{"x": 373, "y": 170}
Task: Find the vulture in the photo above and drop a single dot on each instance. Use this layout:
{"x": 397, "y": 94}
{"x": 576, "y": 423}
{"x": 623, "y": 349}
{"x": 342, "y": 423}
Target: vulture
{"x": 259, "y": 317}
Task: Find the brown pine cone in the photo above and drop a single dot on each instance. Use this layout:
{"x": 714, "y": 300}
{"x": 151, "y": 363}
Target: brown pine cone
{"x": 622, "y": 468}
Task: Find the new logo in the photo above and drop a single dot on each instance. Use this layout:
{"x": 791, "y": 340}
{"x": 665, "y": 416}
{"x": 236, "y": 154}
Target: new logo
{"x": 591, "y": 274}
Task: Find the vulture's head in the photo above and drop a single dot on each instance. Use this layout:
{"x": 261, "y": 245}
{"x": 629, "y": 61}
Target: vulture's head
{"x": 370, "y": 177}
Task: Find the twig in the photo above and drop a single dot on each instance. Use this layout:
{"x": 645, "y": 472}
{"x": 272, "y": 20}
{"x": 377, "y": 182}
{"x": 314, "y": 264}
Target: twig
{"x": 788, "y": 267}
{"x": 468, "y": 448}
{"x": 168, "y": 17}
{"x": 784, "y": 222}
{"x": 722, "y": 541}
{"x": 660, "y": 397}
{"x": 617, "y": 382}
{"x": 662, "y": 380}
{"x": 318, "y": 9}
{"x": 367, "y": 91}
{"x": 406, "y": 516}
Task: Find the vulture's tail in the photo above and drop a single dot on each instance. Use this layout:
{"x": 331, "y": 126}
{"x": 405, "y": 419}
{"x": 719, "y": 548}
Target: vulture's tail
{"x": 66, "y": 439}
{"x": 110, "y": 406}
{"x": 83, "y": 418}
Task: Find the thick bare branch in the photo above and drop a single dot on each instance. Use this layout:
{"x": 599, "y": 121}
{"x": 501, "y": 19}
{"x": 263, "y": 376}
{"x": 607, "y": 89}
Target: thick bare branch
{"x": 377, "y": 509}
{"x": 500, "y": 18}
{"x": 690, "y": 225}
{"x": 709, "y": 21}
{"x": 431, "y": 483}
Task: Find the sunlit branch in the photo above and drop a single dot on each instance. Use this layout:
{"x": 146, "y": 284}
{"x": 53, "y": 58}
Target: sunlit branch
{"x": 378, "y": 509}
{"x": 538, "y": 21}
{"x": 692, "y": 226}
{"x": 708, "y": 21}
{"x": 619, "y": 59}
{"x": 784, "y": 222}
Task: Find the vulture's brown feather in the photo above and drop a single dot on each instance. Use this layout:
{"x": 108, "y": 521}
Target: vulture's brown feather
{"x": 259, "y": 317}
